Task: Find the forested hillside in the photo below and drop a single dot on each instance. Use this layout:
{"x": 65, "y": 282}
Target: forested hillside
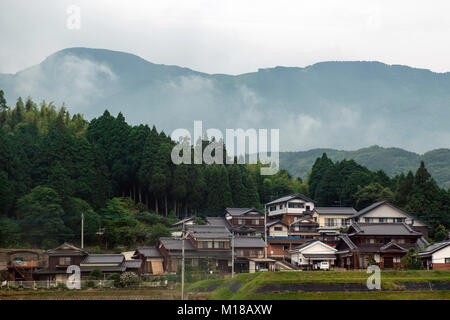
{"x": 393, "y": 161}
{"x": 54, "y": 167}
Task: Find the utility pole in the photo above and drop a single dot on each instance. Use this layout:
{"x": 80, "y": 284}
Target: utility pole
{"x": 265, "y": 230}
{"x": 182, "y": 263}
{"x": 82, "y": 230}
{"x": 232, "y": 254}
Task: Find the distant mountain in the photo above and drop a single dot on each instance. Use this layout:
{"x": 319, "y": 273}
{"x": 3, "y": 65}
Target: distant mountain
{"x": 340, "y": 105}
{"x": 391, "y": 160}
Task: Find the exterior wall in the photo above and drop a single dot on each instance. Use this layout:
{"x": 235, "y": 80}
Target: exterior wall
{"x": 386, "y": 211}
{"x": 53, "y": 261}
{"x": 276, "y": 250}
{"x": 282, "y": 233}
{"x": 283, "y": 207}
{"x": 440, "y": 256}
{"x": 320, "y": 219}
{"x": 249, "y": 252}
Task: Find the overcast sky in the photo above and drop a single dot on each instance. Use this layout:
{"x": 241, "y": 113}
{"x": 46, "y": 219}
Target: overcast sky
{"x": 232, "y": 36}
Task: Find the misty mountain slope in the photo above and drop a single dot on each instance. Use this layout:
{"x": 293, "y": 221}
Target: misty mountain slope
{"x": 339, "y": 105}
{"x": 391, "y": 160}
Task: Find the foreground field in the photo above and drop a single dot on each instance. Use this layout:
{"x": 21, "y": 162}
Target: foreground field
{"x": 298, "y": 285}
{"x": 327, "y": 285}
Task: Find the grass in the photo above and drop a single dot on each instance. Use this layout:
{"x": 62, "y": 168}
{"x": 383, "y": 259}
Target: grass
{"x": 381, "y": 295}
{"x": 390, "y": 280}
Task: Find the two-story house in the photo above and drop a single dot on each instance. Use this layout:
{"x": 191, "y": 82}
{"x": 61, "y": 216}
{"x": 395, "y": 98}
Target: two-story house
{"x": 245, "y": 221}
{"x": 383, "y": 244}
{"x": 386, "y": 212}
{"x": 290, "y": 208}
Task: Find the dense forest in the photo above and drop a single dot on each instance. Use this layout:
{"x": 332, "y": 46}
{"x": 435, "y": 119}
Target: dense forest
{"x": 54, "y": 167}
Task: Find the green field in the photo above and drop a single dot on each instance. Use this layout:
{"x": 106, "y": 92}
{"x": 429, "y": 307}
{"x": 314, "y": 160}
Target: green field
{"x": 245, "y": 286}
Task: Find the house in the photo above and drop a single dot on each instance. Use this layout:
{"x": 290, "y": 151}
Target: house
{"x": 245, "y": 221}
{"x": 332, "y": 219}
{"x": 250, "y": 256}
{"x": 67, "y": 254}
{"x": 436, "y": 256}
{"x": 290, "y": 208}
{"x": 304, "y": 228}
{"x": 310, "y": 254}
{"x": 383, "y": 244}
{"x": 152, "y": 260}
{"x": 385, "y": 212}
{"x": 279, "y": 241}
{"x": 58, "y": 260}
{"x": 205, "y": 246}
{"x": 108, "y": 264}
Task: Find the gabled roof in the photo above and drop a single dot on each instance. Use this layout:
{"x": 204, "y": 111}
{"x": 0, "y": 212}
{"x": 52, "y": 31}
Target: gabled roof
{"x": 335, "y": 211}
{"x": 348, "y": 241}
{"x": 310, "y": 243}
{"x": 249, "y": 242}
{"x": 103, "y": 259}
{"x": 302, "y": 221}
{"x": 67, "y": 249}
{"x": 291, "y": 197}
{"x": 434, "y": 248}
{"x": 149, "y": 252}
{"x": 391, "y": 229}
{"x": 392, "y": 246}
{"x": 274, "y": 222}
{"x": 179, "y": 223}
{"x": 380, "y": 203}
{"x": 241, "y": 211}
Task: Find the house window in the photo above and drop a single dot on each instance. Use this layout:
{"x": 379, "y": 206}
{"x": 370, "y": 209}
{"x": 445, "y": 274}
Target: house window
{"x": 219, "y": 244}
{"x": 273, "y": 208}
{"x": 383, "y": 220}
{"x": 399, "y": 220}
{"x": 308, "y": 208}
{"x": 369, "y": 220}
{"x": 278, "y": 228}
{"x": 330, "y": 222}
{"x": 281, "y": 206}
{"x": 296, "y": 205}
{"x": 345, "y": 222}
{"x": 447, "y": 260}
{"x": 207, "y": 244}
{"x": 64, "y": 261}
{"x": 240, "y": 221}
{"x": 256, "y": 221}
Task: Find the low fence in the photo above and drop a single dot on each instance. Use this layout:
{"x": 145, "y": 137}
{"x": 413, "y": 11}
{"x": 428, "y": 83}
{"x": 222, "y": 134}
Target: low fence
{"x": 99, "y": 284}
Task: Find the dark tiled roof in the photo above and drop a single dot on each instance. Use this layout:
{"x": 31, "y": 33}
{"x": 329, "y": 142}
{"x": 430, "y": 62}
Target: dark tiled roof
{"x": 133, "y": 264}
{"x": 225, "y": 254}
{"x": 434, "y": 247}
{"x": 290, "y": 197}
{"x": 119, "y": 268}
{"x": 149, "y": 252}
{"x": 241, "y": 211}
{"x": 348, "y": 241}
{"x": 390, "y": 229}
{"x": 335, "y": 210}
{"x": 392, "y": 246}
{"x": 103, "y": 258}
{"x": 218, "y": 221}
{"x": 208, "y": 231}
{"x": 249, "y": 242}
{"x": 175, "y": 244}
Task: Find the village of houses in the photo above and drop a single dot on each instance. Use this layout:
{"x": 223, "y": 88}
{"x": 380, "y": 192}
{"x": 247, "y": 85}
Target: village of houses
{"x": 292, "y": 234}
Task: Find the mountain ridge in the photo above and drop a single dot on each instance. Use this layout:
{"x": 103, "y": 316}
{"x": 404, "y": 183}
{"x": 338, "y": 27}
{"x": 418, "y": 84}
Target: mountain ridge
{"x": 344, "y": 105}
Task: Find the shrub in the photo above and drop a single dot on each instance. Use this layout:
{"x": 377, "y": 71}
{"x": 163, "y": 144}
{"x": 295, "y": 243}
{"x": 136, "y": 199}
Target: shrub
{"x": 96, "y": 274}
{"x": 90, "y": 284}
{"x": 128, "y": 279}
{"x": 116, "y": 278}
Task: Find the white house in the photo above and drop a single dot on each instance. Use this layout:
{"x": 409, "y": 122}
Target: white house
{"x": 290, "y": 207}
{"x": 310, "y": 254}
{"x": 386, "y": 212}
{"x": 436, "y": 256}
